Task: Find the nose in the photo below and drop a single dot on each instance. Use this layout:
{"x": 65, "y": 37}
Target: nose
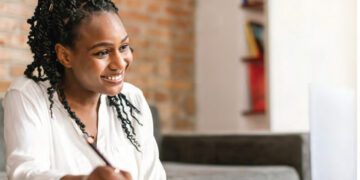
{"x": 118, "y": 63}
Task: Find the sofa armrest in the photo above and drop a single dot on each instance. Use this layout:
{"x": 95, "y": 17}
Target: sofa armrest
{"x": 266, "y": 149}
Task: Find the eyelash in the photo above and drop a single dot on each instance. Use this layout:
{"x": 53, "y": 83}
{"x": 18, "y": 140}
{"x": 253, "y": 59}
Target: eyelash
{"x": 103, "y": 53}
{"x": 124, "y": 47}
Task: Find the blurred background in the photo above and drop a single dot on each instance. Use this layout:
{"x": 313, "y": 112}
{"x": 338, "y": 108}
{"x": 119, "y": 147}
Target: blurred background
{"x": 223, "y": 66}
{"x": 193, "y": 58}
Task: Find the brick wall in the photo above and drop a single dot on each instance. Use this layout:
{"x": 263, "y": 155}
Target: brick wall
{"x": 162, "y": 34}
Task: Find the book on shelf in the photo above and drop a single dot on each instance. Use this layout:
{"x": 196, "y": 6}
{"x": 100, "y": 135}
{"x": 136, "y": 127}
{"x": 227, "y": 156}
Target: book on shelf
{"x": 258, "y": 31}
{"x": 253, "y": 3}
{"x": 255, "y": 39}
{"x": 255, "y": 67}
{"x": 256, "y": 74}
{"x": 251, "y": 41}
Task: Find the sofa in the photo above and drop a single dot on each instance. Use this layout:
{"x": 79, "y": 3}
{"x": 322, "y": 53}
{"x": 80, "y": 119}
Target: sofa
{"x": 226, "y": 157}
{"x": 265, "y": 156}
{"x": 2, "y": 144}
{"x": 241, "y": 157}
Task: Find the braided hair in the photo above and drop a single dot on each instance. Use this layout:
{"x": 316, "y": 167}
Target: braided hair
{"x": 56, "y": 21}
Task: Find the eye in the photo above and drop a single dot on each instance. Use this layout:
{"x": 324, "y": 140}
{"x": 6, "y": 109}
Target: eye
{"x": 102, "y": 54}
{"x": 124, "y": 48}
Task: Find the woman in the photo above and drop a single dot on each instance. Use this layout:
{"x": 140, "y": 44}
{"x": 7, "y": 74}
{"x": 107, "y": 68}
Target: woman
{"x": 74, "y": 88}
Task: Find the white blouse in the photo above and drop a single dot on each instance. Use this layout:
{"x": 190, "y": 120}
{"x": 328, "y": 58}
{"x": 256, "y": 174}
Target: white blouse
{"x": 41, "y": 147}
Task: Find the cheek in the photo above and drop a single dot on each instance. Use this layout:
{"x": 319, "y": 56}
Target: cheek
{"x": 129, "y": 59}
{"x": 92, "y": 67}
{"x": 98, "y": 66}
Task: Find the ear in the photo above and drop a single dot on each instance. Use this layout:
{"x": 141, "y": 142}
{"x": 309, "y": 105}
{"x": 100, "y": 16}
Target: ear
{"x": 63, "y": 55}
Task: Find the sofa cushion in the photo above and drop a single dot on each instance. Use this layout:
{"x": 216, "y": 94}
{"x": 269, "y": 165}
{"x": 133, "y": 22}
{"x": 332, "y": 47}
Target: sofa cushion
{"x": 181, "y": 171}
{"x": 240, "y": 149}
{"x": 3, "y": 176}
{"x": 2, "y": 143}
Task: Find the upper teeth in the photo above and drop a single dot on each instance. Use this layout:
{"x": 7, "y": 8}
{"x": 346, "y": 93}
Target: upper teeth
{"x": 117, "y": 77}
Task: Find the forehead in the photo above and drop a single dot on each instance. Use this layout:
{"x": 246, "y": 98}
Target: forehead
{"x": 101, "y": 26}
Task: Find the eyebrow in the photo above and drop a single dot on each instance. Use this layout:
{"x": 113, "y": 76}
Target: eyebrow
{"x": 107, "y": 43}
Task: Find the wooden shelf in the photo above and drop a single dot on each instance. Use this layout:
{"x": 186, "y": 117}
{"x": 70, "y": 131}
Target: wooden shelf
{"x": 252, "y": 112}
{"x": 254, "y": 7}
{"x": 252, "y": 60}
{"x": 255, "y": 63}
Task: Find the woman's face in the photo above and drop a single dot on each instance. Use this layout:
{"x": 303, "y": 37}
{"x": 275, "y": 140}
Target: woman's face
{"x": 101, "y": 54}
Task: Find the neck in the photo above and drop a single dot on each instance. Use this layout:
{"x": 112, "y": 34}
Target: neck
{"x": 77, "y": 96}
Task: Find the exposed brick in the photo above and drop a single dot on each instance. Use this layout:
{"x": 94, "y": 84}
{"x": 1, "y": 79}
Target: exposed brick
{"x": 158, "y": 32}
{"x": 13, "y": 40}
{"x": 169, "y": 58}
{"x": 8, "y": 24}
{"x": 165, "y": 21}
{"x": 163, "y": 69}
{"x": 190, "y": 105}
{"x": 4, "y": 85}
{"x": 135, "y": 16}
{"x": 182, "y": 72}
{"x": 145, "y": 68}
{"x": 183, "y": 24}
{"x": 187, "y": 61}
{"x": 134, "y": 4}
{"x": 14, "y": 55}
{"x": 133, "y": 30}
{"x": 139, "y": 43}
{"x": 4, "y": 73}
{"x": 31, "y": 3}
{"x": 178, "y": 85}
{"x": 15, "y": 9}
{"x": 178, "y": 12}
{"x": 17, "y": 70}
{"x": 184, "y": 48}
{"x": 161, "y": 97}
{"x": 184, "y": 124}
{"x": 153, "y": 7}
{"x": 117, "y": 1}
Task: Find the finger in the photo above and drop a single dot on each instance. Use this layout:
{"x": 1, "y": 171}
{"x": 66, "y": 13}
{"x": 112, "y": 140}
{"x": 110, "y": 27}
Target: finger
{"x": 119, "y": 176}
{"x": 126, "y": 175}
{"x": 117, "y": 171}
{"x": 123, "y": 174}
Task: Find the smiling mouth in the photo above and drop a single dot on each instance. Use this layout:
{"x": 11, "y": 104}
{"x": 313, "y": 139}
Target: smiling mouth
{"x": 113, "y": 78}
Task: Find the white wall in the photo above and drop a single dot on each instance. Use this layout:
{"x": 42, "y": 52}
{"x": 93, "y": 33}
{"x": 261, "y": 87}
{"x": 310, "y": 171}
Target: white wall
{"x": 358, "y": 88}
{"x": 221, "y": 90}
{"x": 310, "y": 41}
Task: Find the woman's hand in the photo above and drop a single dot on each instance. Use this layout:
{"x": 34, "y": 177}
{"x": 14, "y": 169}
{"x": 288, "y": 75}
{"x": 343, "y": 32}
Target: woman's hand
{"x": 102, "y": 173}
{"x": 108, "y": 173}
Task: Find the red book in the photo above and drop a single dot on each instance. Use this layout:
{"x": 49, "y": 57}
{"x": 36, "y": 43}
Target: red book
{"x": 257, "y": 86}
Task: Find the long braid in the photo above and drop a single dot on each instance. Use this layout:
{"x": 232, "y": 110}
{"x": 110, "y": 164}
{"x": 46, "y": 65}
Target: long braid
{"x": 56, "y": 21}
{"x": 132, "y": 107}
{"x": 116, "y": 101}
{"x": 72, "y": 114}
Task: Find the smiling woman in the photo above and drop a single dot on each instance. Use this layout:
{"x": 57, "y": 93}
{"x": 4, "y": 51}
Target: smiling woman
{"x": 75, "y": 87}
{"x": 99, "y": 58}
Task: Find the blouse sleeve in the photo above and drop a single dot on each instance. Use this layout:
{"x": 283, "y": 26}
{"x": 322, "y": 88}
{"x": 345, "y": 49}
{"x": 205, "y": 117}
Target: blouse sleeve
{"x": 151, "y": 168}
{"x": 27, "y": 138}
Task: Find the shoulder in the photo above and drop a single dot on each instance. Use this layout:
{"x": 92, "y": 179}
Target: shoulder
{"x": 133, "y": 93}
{"x": 136, "y": 97}
{"x": 24, "y": 84}
{"x": 21, "y": 83}
{"x": 27, "y": 88}
{"x": 130, "y": 89}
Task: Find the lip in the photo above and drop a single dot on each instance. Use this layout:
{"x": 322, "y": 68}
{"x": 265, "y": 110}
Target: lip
{"x": 114, "y": 78}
